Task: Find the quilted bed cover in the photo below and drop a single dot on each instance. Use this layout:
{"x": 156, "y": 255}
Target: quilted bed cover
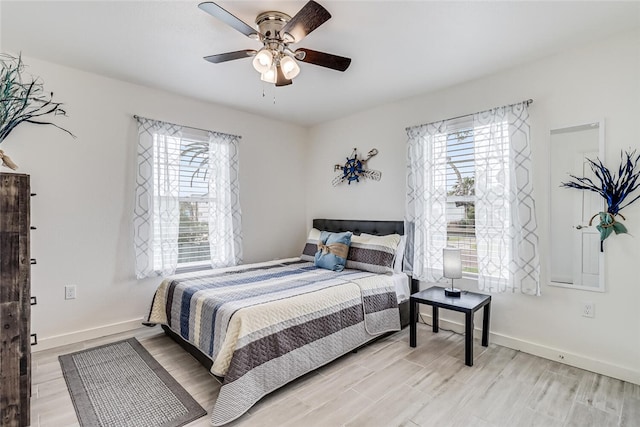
{"x": 266, "y": 324}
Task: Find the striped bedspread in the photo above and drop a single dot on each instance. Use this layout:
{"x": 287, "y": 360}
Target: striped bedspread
{"x": 265, "y": 325}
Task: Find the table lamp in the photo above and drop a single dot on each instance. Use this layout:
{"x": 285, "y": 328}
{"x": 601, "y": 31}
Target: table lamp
{"x": 452, "y": 269}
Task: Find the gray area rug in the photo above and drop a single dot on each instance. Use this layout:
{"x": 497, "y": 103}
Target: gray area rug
{"x": 121, "y": 384}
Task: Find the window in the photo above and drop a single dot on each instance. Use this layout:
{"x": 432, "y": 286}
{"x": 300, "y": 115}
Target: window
{"x": 193, "y": 233}
{"x": 460, "y": 202}
{"x": 187, "y": 212}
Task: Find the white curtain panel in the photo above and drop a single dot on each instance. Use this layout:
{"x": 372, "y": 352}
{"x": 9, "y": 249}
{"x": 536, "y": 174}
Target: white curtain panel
{"x": 505, "y": 221}
{"x": 225, "y": 235}
{"x": 157, "y": 208}
{"x": 425, "y": 221}
{"x": 506, "y": 227}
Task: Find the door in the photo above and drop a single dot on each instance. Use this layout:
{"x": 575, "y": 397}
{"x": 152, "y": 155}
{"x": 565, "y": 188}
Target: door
{"x": 586, "y": 238}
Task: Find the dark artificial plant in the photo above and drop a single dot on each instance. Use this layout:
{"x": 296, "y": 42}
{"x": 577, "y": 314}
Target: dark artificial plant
{"x": 23, "y": 101}
{"x": 614, "y": 188}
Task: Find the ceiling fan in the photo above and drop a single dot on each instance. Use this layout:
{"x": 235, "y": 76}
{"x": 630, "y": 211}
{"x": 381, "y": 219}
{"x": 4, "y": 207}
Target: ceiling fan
{"x": 276, "y": 61}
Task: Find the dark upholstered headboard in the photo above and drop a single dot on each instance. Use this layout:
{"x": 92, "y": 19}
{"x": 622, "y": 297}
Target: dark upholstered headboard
{"x": 378, "y": 228}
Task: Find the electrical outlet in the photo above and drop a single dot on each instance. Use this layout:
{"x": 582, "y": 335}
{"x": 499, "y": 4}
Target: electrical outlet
{"x": 588, "y": 309}
{"x": 70, "y": 292}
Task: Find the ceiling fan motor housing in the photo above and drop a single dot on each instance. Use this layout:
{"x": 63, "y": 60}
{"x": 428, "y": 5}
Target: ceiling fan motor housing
{"x": 270, "y": 23}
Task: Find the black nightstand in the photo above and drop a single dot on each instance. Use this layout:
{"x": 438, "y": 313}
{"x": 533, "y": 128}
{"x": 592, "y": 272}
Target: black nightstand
{"x": 468, "y": 303}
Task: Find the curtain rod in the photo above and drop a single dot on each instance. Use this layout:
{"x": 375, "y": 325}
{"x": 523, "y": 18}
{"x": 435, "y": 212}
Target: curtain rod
{"x": 135, "y": 116}
{"x": 528, "y": 102}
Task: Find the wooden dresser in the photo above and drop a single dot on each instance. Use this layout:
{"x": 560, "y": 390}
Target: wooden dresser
{"x": 15, "y": 299}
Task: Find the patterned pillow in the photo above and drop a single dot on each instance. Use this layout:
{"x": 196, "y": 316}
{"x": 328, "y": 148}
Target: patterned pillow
{"x": 311, "y": 246}
{"x": 373, "y": 253}
{"x": 333, "y": 249}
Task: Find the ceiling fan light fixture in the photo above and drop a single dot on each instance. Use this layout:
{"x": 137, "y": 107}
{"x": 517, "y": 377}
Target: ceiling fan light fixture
{"x": 290, "y": 67}
{"x": 275, "y": 61}
{"x": 270, "y": 75}
{"x": 263, "y": 61}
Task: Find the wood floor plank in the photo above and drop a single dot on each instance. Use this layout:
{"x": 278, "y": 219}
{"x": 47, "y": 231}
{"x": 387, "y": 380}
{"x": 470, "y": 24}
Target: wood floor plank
{"x": 630, "y": 416}
{"x": 554, "y": 394}
{"x": 601, "y": 392}
{"x": 435, "y": 377}
{"x": 325, "y": 390}
{"x": 586, "y": 415}
{"x": 281, "y": 412}
{"x": 395, "y": 408}
{"x": 525, "y": 368}
{"x": 500, "y": 400}
{"x": 335, "y": 412}
{"x": 378, "y": 384}
{"x": 529, "y": 418}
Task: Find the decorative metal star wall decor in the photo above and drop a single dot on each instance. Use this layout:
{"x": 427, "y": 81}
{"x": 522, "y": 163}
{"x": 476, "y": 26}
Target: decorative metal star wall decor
{"x": 354, "y": 169}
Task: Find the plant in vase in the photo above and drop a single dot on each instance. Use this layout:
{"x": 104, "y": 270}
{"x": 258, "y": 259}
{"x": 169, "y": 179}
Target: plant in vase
{"x": 22, "y": 100}
{"x": 614, "y": 188}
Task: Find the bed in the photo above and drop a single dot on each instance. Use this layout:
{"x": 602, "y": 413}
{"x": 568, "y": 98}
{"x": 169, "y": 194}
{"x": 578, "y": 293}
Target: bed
{"x": 260, "y": 326}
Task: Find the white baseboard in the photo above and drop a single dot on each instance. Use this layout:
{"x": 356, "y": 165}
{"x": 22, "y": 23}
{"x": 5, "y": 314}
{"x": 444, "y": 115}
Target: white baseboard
{"x": 74, "y": 337}
{"x": 562, "y": 356}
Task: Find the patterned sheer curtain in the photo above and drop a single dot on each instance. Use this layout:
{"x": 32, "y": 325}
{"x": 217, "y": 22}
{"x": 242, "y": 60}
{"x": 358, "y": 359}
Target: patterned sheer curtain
{"x": 505, "y": 222}
{"x": 425, "y": 219}
{"x": 157, "y": 207}
{"x": 506, "y": 227}
{"x": 225, "y": 236}
{"x": 172, "y": 216}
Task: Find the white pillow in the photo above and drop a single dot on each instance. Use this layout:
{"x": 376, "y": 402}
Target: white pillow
{"x": 399, "y": 260}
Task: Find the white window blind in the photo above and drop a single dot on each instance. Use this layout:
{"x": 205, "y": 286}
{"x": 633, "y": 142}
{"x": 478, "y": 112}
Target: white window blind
{"x": 186, "y": 161}
{"x": 460, "y": 185}
{"x": 193, "y": 236}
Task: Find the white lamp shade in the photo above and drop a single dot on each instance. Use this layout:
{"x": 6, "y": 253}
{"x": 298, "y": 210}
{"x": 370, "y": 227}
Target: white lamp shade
{"x": 452, "y": 263}
{"x": 270, "y": 75}
{"x": 290, "y": 67}
{"x": 263, "y": 61}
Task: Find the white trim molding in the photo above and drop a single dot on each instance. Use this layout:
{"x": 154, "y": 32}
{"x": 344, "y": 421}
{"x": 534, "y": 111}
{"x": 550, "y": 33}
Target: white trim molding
{"x": 46, "y": 343}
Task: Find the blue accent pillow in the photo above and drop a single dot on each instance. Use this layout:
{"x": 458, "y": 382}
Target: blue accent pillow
{"x": 333, "y": 249}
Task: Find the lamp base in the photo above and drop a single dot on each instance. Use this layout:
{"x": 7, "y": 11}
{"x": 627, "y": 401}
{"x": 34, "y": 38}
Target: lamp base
{"x": 452, "y": 292}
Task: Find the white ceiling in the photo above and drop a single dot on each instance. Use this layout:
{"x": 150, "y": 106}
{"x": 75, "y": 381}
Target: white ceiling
{"x": 399, "y": 48}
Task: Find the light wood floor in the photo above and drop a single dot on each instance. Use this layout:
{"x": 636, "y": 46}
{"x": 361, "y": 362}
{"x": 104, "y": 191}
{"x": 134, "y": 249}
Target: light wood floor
{"x": 387, "y": 384}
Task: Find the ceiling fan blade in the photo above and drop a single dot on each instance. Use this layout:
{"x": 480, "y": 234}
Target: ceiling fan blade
{"x": 335, "y": 62}
{"x": 230, "y": 56}
{"x": 228, "y": 18}
{"x": 281, "y": 80}
{"x": 310, "y": 17}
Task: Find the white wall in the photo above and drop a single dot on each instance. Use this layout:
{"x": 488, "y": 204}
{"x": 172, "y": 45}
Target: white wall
{"x": 83, "y": 208}
{"x": 584, "y": 85}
